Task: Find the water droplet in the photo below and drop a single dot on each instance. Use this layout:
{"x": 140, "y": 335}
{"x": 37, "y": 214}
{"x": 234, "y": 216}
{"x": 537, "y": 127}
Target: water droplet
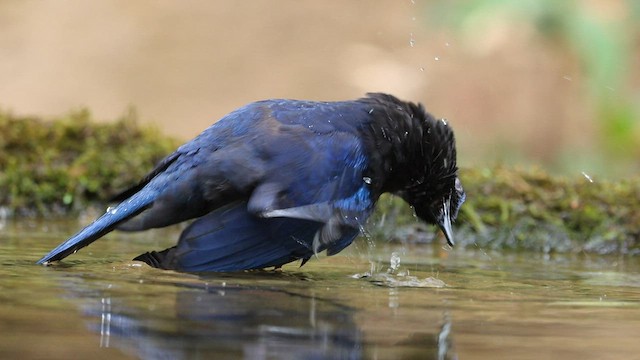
{"x": 436, "y": 58}
{"x": 384, "y": 134}
{"x": 371, "y": 110}
{"x": 587, "y": 176}
{"x": 394, "y": 262}
{"x": 367, "y": 180}
{"x": 568, "y": 78}
{"x": 112, "y": 210}
{"x": 412, "y": 41}
{"x": 444, "y": 121}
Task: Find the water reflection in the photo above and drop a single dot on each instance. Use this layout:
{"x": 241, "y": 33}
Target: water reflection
{"x": 250, "y": 322}
{"x": 242, "y": 317}
{"x": 493, "y": 305}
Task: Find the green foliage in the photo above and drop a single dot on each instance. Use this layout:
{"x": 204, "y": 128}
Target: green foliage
{"x": 58, "y": 165}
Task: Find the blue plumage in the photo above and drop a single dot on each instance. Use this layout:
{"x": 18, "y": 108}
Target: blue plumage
{"x": 281, "y": 180}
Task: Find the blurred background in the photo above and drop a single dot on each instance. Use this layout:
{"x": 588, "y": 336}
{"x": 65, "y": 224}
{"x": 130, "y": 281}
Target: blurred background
{"x": 534, "y": 82}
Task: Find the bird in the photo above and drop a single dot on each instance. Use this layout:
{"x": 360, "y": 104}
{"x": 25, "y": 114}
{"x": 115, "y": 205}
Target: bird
{"x": 282, "y": 180}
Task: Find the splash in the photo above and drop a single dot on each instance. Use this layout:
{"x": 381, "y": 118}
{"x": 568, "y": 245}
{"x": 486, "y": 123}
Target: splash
{"x": 394, "y": 262}
{"x": 394, "y": 278}
{"x": 393, "y": 281}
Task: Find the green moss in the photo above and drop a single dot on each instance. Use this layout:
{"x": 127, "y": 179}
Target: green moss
{"x": 532, "y": 210}
{"x": 70, "y": 162}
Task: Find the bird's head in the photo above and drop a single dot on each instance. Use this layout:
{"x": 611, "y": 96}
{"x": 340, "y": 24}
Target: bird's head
{"x": 433, "y": 188}
{"x": 422, "y": 169}
{"x": 440, "y": 207}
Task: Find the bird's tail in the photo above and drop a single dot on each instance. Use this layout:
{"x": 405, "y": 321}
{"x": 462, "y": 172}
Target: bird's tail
{"x": 101, "y": 226}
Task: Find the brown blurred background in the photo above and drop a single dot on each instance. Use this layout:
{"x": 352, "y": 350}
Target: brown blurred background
{"x": 546, "y": 82}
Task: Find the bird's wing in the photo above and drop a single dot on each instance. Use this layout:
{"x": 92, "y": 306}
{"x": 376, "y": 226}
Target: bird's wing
{"x": 305, "y": 204}
{"x": 231, "y": 239}
{"x": 196, "y": 184}
{"x": 330, "y": 189}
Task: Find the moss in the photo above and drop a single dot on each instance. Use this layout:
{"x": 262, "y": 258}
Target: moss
{"x": 532, "y": 210}
{"x": 69, "y": 162}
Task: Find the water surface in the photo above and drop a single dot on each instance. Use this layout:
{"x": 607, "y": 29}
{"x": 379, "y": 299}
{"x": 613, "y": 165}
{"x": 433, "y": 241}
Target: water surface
{"x": 374, "y": 301}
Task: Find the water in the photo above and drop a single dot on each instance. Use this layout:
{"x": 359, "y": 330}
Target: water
{"x": 423, "y": 302}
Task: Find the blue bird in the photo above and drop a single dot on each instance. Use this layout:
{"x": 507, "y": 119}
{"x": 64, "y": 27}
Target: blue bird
{"x": 281, "y": 180}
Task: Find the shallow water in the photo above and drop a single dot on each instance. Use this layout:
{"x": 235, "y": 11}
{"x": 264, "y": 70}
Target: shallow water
{"x": 363, "y": 303}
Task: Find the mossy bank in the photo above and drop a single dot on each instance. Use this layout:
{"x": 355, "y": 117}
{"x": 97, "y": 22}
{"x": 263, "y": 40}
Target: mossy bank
{"x": 532, "y": 210}
{"x": 63, "y": 165}
{"x": 67, "y": 163}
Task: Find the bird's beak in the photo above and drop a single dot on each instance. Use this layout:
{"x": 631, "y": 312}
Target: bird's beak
{"x": 445, "y": 222}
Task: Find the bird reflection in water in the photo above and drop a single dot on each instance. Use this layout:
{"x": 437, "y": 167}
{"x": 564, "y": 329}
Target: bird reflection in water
{"x": 255, "y": 315}
{"x": 218, "y": 321}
